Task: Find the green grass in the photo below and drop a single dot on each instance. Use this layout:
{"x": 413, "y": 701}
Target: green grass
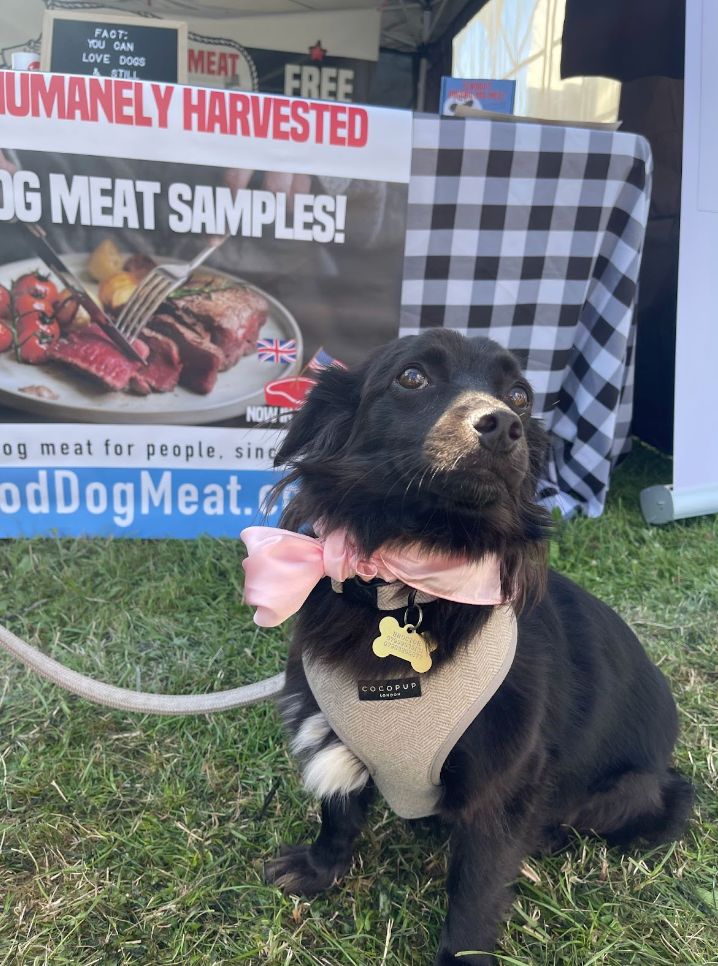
{"x": 138, "y": 840}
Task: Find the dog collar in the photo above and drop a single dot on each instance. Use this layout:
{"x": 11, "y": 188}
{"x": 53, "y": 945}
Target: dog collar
{"x": 382, "y": 594}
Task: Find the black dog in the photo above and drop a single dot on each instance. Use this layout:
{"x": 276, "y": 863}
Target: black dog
{"x": 432, "y": 441}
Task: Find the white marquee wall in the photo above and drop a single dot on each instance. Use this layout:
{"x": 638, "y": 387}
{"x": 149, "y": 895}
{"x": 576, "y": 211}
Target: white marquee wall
{"x": 694, "y": 489}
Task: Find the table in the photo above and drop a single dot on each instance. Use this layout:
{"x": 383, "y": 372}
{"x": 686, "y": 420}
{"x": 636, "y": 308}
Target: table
{"x": 532, "y": 235}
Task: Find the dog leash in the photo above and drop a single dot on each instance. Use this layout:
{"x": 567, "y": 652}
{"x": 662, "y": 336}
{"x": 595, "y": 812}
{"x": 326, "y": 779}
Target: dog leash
{"x": 126, "y": 699}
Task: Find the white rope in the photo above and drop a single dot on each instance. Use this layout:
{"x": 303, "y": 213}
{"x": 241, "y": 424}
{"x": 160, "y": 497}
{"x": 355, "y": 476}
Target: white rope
{"x": 141, "y": 701}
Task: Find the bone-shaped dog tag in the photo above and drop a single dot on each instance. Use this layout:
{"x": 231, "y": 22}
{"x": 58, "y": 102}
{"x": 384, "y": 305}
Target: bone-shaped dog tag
{"x": 404, "y": 642}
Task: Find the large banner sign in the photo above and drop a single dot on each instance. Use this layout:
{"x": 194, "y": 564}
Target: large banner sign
{"x": 308, "y": 54}
{"x": 292, "y": 213}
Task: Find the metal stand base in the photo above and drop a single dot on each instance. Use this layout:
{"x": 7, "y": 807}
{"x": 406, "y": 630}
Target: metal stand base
{"x": 662, "y": 504}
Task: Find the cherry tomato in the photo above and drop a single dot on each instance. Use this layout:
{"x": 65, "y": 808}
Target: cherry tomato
{"x": 5, "y": 337}
{"x": 34, "y": 284}
{"x": 25, "y": 302}
{"x": 34, "y": 337}
{"x": 34, "y": 349}
{"x": 4, "y": 303}
{"x": 28, "y": 325}
{"x": 33, "y": 346}
{"x": 33, "y": 322}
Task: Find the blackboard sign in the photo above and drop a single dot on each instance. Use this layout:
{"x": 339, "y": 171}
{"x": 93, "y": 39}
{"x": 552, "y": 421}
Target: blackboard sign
{"x": 114, "y": 46}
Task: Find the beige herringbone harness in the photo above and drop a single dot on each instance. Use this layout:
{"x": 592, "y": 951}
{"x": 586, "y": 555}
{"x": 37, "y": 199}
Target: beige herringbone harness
{"x": 404, "y": 738}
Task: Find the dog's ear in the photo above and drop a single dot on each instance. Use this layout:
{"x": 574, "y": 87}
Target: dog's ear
{"x": 324, "y": 422}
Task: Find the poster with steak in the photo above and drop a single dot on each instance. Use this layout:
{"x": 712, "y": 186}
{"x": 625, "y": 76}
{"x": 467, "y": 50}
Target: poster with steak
{"x": 176, "y": 264}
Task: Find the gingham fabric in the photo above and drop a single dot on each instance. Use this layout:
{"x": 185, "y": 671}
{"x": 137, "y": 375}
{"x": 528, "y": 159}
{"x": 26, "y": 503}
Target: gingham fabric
{"x": 532, "y": 235}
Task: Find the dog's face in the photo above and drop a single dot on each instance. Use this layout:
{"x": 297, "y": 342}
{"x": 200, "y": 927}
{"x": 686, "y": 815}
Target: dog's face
{"x": 430, "y": 425}
{"x": 453, "y": 413}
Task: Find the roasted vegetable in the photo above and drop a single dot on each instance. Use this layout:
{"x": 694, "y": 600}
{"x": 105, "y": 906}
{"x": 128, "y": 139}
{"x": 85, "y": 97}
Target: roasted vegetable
{"x": 116, "y": 290}
{"x": 138, "y": 266}
{"x": 68, "y": 311}
{"x": 105, "y": 261}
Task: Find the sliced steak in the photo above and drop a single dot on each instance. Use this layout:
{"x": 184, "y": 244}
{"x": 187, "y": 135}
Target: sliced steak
{"x": 232, "y": 316}
{"x": 139, "y": 386}
{"x": 90, "y": 351}
{"x": 201, "y": 361}
{"x": 164, "y": 366}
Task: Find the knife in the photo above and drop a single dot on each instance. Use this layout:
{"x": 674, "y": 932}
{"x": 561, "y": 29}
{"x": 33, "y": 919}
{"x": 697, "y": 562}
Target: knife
{"x": 70, "y": 280}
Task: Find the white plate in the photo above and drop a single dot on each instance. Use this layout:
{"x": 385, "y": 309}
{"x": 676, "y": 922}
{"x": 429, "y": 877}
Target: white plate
{"x": 77, "y": 398}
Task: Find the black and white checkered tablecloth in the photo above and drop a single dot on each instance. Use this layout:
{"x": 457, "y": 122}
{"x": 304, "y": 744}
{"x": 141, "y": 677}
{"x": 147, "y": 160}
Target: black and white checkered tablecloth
{"x": 532, "y": 235}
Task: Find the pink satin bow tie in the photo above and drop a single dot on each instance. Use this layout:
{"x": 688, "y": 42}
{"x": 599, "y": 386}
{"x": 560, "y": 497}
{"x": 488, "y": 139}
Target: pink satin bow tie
{"x": 283, "y": 568}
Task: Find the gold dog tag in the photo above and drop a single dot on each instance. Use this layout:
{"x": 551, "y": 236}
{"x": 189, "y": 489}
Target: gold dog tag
{"x": 404, "y": 642}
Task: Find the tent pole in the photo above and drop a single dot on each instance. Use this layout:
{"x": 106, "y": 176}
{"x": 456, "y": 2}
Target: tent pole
{"x": 423, "y": 59}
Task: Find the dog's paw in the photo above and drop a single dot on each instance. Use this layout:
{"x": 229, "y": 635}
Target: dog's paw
{"x": 295, "y": 871}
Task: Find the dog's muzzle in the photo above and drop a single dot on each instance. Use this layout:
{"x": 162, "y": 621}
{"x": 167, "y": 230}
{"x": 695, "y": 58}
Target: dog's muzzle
{"x": 475, "y": 424}
{"x": 499, "y": 430}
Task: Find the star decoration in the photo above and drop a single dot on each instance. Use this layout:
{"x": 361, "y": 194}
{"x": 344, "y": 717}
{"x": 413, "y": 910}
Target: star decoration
{"x": 317, "y": 52}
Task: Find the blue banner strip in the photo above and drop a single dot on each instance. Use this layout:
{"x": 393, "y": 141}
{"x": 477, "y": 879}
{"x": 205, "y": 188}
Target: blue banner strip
{"x": 147, "y": 503}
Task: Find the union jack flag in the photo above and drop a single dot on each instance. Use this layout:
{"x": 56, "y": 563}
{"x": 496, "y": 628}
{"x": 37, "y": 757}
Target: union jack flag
{"x": 281, "y": 351}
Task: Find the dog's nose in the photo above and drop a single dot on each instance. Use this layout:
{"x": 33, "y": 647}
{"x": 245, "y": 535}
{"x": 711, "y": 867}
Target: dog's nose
{"x": 498, "y": 431}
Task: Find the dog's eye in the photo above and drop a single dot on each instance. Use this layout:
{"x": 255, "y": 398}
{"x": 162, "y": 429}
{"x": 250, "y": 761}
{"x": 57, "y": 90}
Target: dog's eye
{"x": 518, "y": 397}
{"x": 412, "y": 378}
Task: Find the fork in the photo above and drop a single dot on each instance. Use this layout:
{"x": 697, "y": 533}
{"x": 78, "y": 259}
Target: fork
{"x": 154, "y": 289}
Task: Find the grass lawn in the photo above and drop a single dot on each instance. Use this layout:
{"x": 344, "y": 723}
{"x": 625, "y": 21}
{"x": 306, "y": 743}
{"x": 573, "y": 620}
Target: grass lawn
{"x": 139, "y": 840}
